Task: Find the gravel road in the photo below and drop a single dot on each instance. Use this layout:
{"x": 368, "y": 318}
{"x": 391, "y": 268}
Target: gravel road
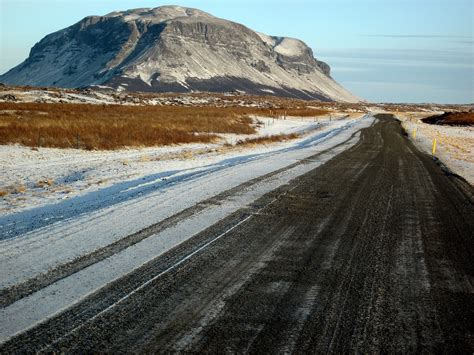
{"x": 371, "y": 252}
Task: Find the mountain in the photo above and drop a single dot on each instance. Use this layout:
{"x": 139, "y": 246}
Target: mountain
{"x": 172, "y": 48}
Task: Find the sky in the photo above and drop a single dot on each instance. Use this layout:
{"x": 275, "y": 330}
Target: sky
{"x": 381, "y": 50}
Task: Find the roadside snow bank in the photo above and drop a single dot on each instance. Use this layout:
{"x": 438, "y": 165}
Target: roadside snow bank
{"x": 55, "y": 233}
{"x": 31, "y": 178}
{"x": 454, "y": 145}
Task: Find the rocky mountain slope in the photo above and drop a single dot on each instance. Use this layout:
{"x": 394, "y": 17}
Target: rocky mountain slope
{"x": 177, "y": 49}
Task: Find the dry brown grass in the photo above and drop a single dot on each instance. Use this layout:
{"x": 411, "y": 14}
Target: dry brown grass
{"x": 452, "y": 119}
{"x": 267, "y": 139}
{"x": 45, "y": 183}
{"x": 114, "y": 126}
{"x": 84, "y": 126}
{"x": 19, "y": 188}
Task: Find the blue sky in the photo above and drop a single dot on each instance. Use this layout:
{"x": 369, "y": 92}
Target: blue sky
{"x": 383, "y": 51}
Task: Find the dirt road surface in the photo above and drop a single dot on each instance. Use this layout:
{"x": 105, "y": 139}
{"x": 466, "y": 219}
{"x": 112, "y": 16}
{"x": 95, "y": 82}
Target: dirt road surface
{"x": 371, "y": 252}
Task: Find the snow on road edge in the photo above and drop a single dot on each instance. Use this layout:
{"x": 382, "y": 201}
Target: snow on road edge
{"x": 454, "y": 145}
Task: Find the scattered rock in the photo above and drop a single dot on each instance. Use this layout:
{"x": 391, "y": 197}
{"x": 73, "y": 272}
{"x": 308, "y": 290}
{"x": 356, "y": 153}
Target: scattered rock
{"x": 8, "y": 97}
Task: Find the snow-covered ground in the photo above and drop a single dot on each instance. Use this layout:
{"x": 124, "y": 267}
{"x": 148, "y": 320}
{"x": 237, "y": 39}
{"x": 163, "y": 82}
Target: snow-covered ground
{"x": 454, "y": 145}
{"x": 55, "y": 234}
{"x": 60, "y": 96}
{"x": 32, "y": 178}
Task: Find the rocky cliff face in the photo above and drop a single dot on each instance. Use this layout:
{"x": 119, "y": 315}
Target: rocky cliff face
{"x": 177, "y": 49}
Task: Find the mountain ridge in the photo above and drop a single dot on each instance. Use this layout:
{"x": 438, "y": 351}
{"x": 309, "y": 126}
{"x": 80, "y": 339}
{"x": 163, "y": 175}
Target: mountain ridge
{"x": 173, "y": 48}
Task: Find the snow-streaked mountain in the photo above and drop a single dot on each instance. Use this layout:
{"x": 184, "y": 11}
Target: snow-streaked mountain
{"x": 172, "y": 48}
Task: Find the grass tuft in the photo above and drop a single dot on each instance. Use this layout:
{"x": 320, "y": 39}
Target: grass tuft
{"x": 45, "y": 183}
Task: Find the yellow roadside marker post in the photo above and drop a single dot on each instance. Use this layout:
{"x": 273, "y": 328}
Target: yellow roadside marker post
{"x": 414, "y": 133}
{"x": 433, "y": 150}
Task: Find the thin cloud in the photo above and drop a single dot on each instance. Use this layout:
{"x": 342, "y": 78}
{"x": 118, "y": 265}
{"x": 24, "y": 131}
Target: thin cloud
{"x": 464, "y": 42}
{"x": 410, "y": 36}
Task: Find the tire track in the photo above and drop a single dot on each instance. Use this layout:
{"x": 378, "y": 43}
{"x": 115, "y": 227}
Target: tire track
{"x": 370, "y": 252}
{"x": 14, "y": 293}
